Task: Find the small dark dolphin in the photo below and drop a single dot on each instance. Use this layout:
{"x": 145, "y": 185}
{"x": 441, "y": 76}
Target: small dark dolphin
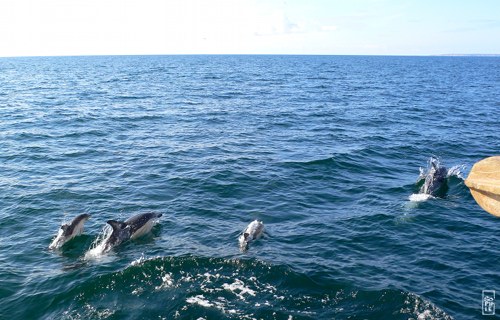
{"x": 435, "y": 182}
{"x": 132, "y": 228}
{"x": 69, "y": 230}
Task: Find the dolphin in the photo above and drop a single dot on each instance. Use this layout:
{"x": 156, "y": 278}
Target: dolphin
{"x": 435, "y": 180}
{"x": 252, "y": 232}
{"x": 132, "y": 228}
{"x": 69, "y": 230}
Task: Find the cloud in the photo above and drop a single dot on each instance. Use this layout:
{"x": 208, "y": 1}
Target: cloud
{"x": 277, "y": 24}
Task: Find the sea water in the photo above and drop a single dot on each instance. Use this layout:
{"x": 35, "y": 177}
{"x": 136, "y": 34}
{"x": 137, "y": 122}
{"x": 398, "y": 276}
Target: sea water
{"x": 325, "y": 150}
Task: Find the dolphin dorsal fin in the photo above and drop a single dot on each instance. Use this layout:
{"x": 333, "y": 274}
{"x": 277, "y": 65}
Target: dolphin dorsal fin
{"x": 116, "y": 225}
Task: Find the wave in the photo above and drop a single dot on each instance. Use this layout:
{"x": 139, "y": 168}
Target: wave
{"x": 188, "y": 287}
{"x": 313, "y": 162}
{"x": 132, "y": 97}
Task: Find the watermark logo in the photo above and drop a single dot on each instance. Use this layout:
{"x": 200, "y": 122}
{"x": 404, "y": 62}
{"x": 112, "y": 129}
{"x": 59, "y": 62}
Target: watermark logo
{"x": 488, "y": 302}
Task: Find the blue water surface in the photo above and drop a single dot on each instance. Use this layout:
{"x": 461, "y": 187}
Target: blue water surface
{"x": 325, "y": 150}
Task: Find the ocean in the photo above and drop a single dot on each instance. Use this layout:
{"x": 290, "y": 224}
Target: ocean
{"x": 324, "y": 150}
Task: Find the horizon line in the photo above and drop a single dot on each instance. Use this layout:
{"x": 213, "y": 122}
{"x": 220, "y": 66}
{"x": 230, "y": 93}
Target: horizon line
{"x": 254, "y": 54}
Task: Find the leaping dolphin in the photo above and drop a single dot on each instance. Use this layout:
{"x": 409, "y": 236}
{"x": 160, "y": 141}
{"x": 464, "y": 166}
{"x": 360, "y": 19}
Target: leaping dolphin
{"x": 131, "y": 228}
{"x": 252, "y": 232}
{"x": 435, "y": 182}
{"x": 69, "y": 230}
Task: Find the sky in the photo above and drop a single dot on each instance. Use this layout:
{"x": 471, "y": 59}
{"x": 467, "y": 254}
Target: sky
{"x": 335, "y": 27}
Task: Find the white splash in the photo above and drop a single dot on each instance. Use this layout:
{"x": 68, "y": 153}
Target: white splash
{"x": 419, "y": 197}
{"x": 138, "y": 261}
{"x": 199, "y": 299}
{"x": 220, "y": 303}
{"x": 423, "y": 309}
{"x": 239, "y": 289}
{"x": 97, "y": 247}
{"x": 457, "y": 171}
{"x": 167, "y": 282}
{"x": 425, "y": 315}
{"x": 58, "y": 242}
